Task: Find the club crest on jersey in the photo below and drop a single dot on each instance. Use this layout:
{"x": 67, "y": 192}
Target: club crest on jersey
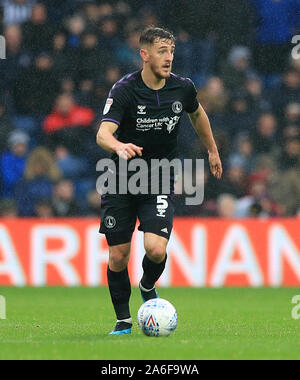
{"x": 177, "y": 107}
{"x": 141, "y": 110}
{"x": 110, "y": 222}
{"x": 108, "y": 104}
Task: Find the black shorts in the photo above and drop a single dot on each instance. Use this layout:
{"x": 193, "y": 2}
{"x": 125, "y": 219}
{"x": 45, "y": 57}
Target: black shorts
{"x": 120, "y": 212}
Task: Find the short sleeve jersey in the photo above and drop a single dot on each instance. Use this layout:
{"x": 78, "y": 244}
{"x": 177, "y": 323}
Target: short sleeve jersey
{"x": 150, "y": 118}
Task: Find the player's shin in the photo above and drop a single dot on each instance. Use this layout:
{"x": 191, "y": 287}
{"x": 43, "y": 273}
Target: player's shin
{"x": 152, "y": 272}
{"x": 120, "y": 291}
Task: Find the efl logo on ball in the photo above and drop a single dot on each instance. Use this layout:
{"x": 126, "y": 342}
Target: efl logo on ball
{"x": 157, "y": 317}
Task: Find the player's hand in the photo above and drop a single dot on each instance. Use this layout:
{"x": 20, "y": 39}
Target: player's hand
{"x": 127, "y": 151}
{"x": 215, "y": 164}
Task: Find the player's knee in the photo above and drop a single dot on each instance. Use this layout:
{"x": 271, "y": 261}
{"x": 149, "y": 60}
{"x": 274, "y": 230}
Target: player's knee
{"x": 118, "y": 257}
{"x": 156, "y": 253}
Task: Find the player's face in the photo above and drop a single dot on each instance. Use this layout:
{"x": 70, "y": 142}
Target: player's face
{"x": 161, "y": 55}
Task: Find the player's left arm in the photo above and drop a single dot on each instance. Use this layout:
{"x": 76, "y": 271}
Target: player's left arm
{"x": 202, "y": 126}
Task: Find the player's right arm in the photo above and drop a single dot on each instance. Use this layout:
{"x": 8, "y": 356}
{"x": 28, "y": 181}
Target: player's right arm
{"x": 107, "y": 141}
{"x": 116, "y": 104}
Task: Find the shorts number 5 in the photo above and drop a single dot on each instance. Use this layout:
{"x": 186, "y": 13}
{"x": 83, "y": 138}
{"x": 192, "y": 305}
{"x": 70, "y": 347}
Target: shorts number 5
{"x": 162, "y": 205}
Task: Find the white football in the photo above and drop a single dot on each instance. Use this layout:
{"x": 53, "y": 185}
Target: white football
{"x": 157, "y": 317}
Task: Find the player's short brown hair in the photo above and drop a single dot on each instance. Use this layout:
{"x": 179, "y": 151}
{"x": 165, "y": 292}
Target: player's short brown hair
{"x": 150, "y": 34}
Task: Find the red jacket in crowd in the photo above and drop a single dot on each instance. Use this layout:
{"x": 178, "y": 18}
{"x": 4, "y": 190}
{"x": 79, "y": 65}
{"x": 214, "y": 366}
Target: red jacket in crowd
{"x": 77, "y": 116}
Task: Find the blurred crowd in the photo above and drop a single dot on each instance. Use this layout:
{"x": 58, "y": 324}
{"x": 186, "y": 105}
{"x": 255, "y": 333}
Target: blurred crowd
{"x": 62, "y": 58}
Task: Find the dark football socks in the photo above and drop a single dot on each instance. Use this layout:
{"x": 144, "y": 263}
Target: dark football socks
{"x": 120, "y": 291}
{"x": 152, "y": 272}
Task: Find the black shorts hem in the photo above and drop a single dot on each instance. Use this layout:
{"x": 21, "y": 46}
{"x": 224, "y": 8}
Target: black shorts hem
{"x": 160, "y": 228}
{"x": 116, "y": 238}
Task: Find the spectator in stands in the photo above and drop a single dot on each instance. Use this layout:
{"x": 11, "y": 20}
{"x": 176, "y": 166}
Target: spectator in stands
{"x": 234, "y": 182}
{"x": 99, "y": 96}
{"x": 85, "y": 95}
{"x": 112, "y": 75}
{"x": 292, "y": 114}
{"x": 106, "y": 9}
{"x": 291, "y": 131}
{"x": 256, "y": 95}
{"x": 255, "y": 211}
{"x": 12, "y": 163}
{"x": 93, "y": 59}
{"x": 287, "y": 196}
{"x": 71, "y": 166}
{"x": 226, "y": 204}
{"x": 16, "y": 11}
{"x": 109, "y": 34}
{"x": 240, "y": 117}
{"x": 43, "y": 209}
{"x": 8, "y": 208}
{"x": 63, "y": 57}
{"x": 103, "y": 85}
{"x": 183, "y": 59}
{"x": 94, "y": 204}
{"x": 17, "y": 58}
{"x": 148, "y": 17}
{"x": 213, "y": 96}
{"x": 67, "y": 86}
{"x": 266, "y": 166}
{"x": 75, "y": 26}
{"x": 40, "y": 174}
{"x": 290, "y": 155}
{"x": 35, "y": 89}
{"x": 68, "y": 124}
{"x": 258, "y": 195}
{"x": 92, "y": 13}
{"x": 265, "y": 134}
{"x": 288, "y": 91}
{"x": 128, "y": 53}
{"x": 38, "y": 32}
{"x": 259, "y": 192}
{"x": 243, "y": 155}
{"x": 235, "y": 71}
{"x": 63, "y": 199}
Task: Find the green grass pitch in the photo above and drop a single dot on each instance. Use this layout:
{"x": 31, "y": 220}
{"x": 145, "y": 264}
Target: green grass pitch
{"x": 73, "y": 323}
